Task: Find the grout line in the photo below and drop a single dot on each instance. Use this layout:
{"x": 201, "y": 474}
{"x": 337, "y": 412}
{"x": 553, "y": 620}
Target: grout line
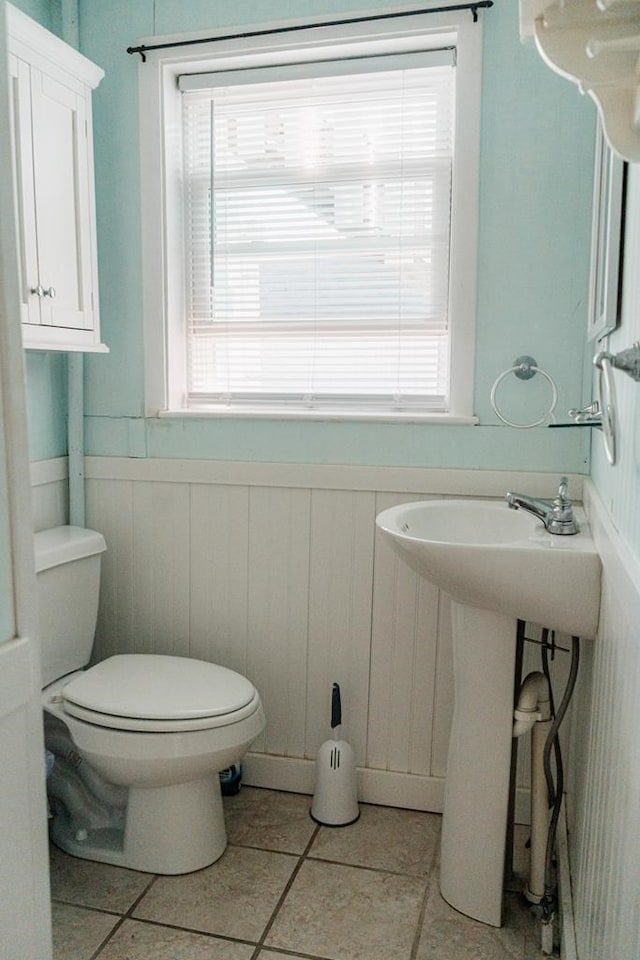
{"x": 432, "y": 876}
{"x": 83, "y": 906}
{"x": 123, "y": 917}
{"x": 283, "y": 895}
{"x": 143, "y": 894}
{"x": 337, "y": 863}
{"x": 106, "y": 940}
{"x": 362, "y": 866}
{"x": 423, "y": 909}
{"x": 296, "y": 954}
{"x": 169, "y": 925}
{"x": 253, "y": 846}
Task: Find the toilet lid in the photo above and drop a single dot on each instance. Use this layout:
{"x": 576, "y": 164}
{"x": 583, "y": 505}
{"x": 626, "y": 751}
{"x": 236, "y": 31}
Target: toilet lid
{"x": 155, "y": 687}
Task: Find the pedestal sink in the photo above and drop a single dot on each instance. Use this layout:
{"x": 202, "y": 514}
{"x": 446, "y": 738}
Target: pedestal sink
{"x": 498, "y": 566}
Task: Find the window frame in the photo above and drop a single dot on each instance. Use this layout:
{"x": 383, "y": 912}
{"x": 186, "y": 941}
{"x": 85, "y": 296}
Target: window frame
{"x": 162, "y": 212}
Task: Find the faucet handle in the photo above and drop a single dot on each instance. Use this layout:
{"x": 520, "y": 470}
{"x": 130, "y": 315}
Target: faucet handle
{"x": 562, "y": 519}
{"x": 562, "y": 497}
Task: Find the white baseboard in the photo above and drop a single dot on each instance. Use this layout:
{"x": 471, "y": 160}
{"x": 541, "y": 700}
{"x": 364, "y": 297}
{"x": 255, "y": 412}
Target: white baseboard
{"x": 408, "y": 791}
{"x": 386, "y": 788}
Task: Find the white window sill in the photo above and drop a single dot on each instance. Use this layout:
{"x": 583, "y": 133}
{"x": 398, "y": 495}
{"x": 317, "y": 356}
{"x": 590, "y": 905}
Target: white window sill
{"x": 277, "y": 413}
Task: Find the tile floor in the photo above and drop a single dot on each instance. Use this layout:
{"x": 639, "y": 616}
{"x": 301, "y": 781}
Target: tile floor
{"x": 285, "y": 888}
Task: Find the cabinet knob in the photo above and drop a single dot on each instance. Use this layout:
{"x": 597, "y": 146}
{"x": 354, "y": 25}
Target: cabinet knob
{"x": 49, "y": 292}
{"x": 38, "y": 291}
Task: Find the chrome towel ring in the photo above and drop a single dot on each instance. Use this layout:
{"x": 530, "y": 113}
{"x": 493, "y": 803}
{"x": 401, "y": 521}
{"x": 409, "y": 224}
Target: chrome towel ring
{"x": 524, "y": 368}
{"x": 607, "y": 403}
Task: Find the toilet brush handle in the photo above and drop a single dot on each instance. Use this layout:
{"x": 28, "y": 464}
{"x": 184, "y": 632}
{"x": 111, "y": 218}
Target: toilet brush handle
{"x": 336, "y": 707}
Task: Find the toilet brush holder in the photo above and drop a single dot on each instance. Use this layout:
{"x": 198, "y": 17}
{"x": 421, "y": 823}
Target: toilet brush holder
{"x": 335, "y": 798}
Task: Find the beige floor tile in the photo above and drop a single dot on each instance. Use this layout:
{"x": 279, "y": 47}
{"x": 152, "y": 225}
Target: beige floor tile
{"x": 78, "y": 933}
{"x": 232, "y": 898}
{"x": 136, "y": 940}
{"x": 348, "y": 913}
{"x": 94, "y": 884}
{"x": 533, "y": 950}
{"x": 448, "y": 935}
{"x": 276, "y": 955}
{"x": 384, "y": 838}
{"x": 269, "y": 819}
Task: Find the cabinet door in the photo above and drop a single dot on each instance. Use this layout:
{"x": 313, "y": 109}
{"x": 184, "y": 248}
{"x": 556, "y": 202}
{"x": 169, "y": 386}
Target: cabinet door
{"x": 60, "y": 174}
{"x": 25, "y": 213}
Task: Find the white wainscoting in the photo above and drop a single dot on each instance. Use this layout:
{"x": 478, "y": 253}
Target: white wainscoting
{"x": 276, "y": 570}
{"x": 605, "y": 803}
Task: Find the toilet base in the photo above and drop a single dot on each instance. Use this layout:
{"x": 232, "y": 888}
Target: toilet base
{"x": 168, "y": 830}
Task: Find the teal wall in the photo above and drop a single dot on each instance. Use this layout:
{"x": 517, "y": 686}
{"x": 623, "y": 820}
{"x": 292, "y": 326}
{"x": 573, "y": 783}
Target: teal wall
{"x": 536, "y": 184}
{"x": 46, "y": 375}
{"x": 44, "y": 11}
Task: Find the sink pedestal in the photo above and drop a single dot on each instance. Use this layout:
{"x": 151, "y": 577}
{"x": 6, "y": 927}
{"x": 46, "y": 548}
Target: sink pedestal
{"x": 477, "y": 785}
{"x": 499, "y": 566}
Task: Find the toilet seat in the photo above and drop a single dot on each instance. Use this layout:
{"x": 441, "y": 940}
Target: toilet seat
{"x": 156, "y": 693}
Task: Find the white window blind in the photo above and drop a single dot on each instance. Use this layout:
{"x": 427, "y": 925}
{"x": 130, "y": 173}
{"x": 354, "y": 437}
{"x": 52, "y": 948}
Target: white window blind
{"x": 318, "y": 208}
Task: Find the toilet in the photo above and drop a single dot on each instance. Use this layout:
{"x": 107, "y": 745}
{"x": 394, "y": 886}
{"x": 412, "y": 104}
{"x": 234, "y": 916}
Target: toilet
{"x": 138, "y": 739}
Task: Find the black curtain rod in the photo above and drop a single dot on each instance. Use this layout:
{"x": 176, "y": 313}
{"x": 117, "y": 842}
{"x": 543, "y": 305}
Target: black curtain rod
{"x": 473, "y": 7}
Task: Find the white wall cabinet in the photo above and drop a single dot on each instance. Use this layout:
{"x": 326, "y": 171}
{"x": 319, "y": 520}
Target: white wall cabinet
{"x": 51, "y": 85}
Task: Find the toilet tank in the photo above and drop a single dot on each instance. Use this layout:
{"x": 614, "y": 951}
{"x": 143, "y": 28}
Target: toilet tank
{"x": 67, "y": 563}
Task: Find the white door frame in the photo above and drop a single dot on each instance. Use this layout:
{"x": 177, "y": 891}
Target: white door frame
{"x": 25, "y": 917}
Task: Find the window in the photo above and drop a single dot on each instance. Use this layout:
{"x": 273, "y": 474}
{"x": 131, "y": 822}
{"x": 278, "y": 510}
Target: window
{"x": 324, "y": 212}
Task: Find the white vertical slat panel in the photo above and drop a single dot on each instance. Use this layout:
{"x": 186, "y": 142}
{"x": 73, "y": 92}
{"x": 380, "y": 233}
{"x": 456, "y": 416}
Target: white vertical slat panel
{"x": 605, "y": 824}
{"x": 161, "y": 568}
{"x": 109, "y": 506}
{"x": 605, "y": 841}
{"x": 219, "y": 575}
{"x": 588, "y": 839}
{"x": 403, "y": 657}
{"x": 628, "y": 869}
{"x": 579, "y": 740}
{"x": 607, "y": 784}
{"x": 590, "y": 906}
{"x": 340, "y": 602}
{"x": 607, "y": 831}
{"x": 443, "y": 712}
{"x": 278, "y": 613}
{"x": 621, "y": 800}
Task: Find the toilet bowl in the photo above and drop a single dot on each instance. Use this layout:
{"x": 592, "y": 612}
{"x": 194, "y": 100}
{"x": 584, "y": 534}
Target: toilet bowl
{"x": 139, "y": 740}
{"x": 162, "y": 727}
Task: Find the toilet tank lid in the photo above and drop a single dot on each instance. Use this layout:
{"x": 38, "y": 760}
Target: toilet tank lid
{"x": 64, "y": 544}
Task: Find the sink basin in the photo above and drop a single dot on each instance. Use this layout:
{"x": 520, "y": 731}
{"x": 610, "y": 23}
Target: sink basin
{"x": 485, "y": 554}
{"x": 498, "y": 566}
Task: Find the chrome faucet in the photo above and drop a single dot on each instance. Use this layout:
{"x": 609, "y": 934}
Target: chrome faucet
{"x": 557, "y": 516}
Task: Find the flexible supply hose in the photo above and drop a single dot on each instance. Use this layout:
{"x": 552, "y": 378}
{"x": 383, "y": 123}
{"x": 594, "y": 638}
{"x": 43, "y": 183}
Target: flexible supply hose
{"x": 551, "y": 787}
{"x": 551, "y": 740}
